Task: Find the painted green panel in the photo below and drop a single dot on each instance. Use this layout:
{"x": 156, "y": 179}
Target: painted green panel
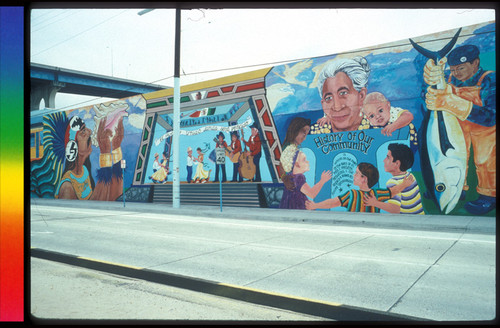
{"x": 183, "y": 99}
{"x": 156, "y": 104}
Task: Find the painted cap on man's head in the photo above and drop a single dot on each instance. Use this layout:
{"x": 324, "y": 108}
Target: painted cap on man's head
{"x": 463, "y": 54}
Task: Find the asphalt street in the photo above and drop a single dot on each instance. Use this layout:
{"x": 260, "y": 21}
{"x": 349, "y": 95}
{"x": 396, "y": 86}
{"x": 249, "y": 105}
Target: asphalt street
{"x": 338, "y": 266}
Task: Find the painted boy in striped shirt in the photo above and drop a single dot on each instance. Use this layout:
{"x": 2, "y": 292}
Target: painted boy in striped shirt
{"x": 365, "y": 199}
{"x": 397, "y": 162}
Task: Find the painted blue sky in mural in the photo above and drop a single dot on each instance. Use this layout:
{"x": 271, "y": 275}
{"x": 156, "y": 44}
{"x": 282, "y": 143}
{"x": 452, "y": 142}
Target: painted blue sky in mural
{"x": 401, "y": 86}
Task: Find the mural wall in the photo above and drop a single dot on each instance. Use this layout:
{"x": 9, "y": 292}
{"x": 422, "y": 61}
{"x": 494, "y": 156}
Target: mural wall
{"x": 407, "y": 127}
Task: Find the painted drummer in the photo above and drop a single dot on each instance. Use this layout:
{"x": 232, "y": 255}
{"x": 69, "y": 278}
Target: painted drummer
{"x": 470, "y": 95}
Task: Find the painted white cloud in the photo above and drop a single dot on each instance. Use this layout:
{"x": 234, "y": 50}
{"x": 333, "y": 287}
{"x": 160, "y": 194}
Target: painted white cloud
{"x": 136, "y": 120}
{"x": 276, "y": 92}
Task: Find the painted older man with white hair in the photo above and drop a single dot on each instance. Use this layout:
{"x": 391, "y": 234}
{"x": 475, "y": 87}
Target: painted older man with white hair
{"x": 342, "y": 87}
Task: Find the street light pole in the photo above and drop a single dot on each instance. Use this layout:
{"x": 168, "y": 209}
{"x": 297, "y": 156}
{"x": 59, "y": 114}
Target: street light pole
{"x": 177, "y": 107}
{"x": 111, "y": 49}
{"x": 177, "y": 111}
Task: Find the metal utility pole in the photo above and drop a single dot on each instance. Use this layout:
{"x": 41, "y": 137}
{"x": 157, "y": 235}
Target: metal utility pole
{"x": 177, "y": 107}
{"x": 177, "y": 111}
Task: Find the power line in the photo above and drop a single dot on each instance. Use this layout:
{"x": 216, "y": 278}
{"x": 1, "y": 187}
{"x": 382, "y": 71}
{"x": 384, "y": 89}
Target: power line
{"x": 277, "y": 63}
{"x": 42, "y": 14}
{"x": 74, "y": 36}
{"x": 47, "y": 23}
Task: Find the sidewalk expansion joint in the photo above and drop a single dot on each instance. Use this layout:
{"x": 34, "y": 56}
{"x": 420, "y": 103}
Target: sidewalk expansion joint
{"x": 423, "y": 274}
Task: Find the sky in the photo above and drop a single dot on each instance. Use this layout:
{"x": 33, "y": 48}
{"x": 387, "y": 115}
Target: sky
{"x": 217, "y": 42}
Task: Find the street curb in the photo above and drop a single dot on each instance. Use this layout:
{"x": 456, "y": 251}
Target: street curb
{"x": 456, "y": 224}
{"x": 334, "y": 311}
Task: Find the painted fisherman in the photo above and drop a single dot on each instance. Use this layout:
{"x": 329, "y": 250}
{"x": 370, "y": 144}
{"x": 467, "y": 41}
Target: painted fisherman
{"x": 469, "y": 93}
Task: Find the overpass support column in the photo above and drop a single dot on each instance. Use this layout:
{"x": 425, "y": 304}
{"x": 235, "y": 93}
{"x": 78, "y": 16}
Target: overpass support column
{"x": 47, "y": 92}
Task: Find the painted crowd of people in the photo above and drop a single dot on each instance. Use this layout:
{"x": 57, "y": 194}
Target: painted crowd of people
{"x": 240, "y": 157}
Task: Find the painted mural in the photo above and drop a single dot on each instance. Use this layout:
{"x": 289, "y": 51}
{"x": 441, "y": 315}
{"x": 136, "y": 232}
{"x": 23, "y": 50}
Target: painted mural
{"x": 82, "y": 150}
{"x": 406, "y": 127}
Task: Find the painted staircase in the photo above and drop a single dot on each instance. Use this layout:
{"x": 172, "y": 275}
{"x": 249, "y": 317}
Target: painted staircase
{"x": 233, "y": 194}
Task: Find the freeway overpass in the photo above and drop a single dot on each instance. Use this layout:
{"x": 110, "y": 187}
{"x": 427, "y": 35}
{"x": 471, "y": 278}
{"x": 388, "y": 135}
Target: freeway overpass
{"x": 46, "y": 81}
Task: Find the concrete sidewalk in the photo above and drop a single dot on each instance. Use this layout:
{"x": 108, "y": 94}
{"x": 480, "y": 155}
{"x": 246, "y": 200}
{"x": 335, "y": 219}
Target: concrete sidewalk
{"x": 445, "y": 223}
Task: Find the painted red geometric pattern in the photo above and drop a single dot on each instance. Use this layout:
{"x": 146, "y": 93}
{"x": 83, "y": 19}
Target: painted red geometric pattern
{"x": 266, "y": 119}
{"x": 259, "y": 104}
{"x": 252, "y": 86}
{"x": 227, "y": 89}
{"x": 212, "y": 94}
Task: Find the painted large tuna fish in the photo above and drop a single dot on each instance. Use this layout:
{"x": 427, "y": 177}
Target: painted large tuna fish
{"x": 443, "y": 150}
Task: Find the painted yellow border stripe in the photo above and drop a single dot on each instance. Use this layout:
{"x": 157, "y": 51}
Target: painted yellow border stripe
{"x": 279, "y": 295}
{"x": 210, "y": 83}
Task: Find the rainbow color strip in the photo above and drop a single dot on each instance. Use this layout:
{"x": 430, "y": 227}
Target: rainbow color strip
{"x": 11, "y": 164}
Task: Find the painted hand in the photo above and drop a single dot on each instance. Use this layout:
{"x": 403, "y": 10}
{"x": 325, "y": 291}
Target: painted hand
{"x": 326, "y": 176}
{"x": 407, "y": 181}
{"x": 103, "y": 137}
{"x": 446, "y": 100}
{"x": 388, "y": 130}
{"x": 324, "y": 120}
{"x": 310, "y": 205}
{"x": 434, "y": 74}
{"x": 288, "y": 182}
{"x": 369, "y": 199}
{"x": 118, "y": 137}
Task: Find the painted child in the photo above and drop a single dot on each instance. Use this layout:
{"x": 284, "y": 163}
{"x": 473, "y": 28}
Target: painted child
{"x": 296, "y": 164}
{"x": 379, "y": 112}
{"x": 297, "y": 131}
{"x": 365, "y": 177}
{"x": 397, "y": 162}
